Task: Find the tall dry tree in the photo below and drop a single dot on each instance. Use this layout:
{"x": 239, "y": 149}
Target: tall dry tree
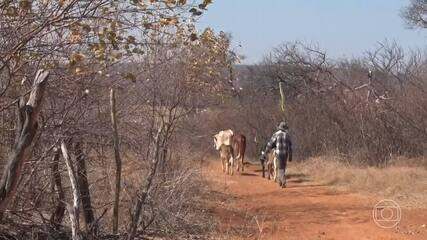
{"x": 117, "y": 159}
{"x": 57, "y": 215}
{"x": 26, "y": 128}
{"x": 83, "y": 185}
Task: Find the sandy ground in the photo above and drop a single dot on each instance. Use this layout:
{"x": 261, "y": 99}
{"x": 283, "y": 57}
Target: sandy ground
{"x": 248, "y": 206}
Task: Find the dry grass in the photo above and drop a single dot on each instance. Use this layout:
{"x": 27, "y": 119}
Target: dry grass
{"x": 405, "y": 183}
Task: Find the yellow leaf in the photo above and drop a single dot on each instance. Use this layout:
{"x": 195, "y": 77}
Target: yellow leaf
{"x": 11, "y": 11}
{"x": 164, "y": 21}
{"x": 25, "y": 4}
{"x": 61, "y": 2}
{"x": 78, "y": 70}
{"x": 207, "y": 2}
{"x": 77, "y": 57}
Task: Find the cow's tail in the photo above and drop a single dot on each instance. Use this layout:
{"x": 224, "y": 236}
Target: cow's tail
{"x": 243, "y": 150}
{"x": 243, "y": 146}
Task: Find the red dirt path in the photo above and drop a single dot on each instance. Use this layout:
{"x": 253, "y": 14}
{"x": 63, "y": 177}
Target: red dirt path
{"x": 250, "y": 207}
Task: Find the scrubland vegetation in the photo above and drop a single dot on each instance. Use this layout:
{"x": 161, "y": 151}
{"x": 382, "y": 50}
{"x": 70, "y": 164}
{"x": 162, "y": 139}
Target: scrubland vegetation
{"x": 169, "y": 87}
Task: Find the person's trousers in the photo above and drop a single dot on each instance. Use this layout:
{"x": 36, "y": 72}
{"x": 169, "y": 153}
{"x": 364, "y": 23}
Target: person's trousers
{"x": 282, "y": 159}
{"x": 282, "y": 177}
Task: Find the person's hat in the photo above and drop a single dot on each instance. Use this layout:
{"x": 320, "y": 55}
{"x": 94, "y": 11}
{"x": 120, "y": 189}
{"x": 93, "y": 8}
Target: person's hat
{"x": 283, "y": 126}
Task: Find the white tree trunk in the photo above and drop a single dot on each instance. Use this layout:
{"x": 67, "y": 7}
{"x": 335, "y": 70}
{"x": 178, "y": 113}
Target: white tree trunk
{"x": 73, "y": 209}
{"x": 26, "y": 130}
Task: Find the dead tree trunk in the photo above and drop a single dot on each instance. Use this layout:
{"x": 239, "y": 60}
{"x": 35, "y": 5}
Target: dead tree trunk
{"x": 282, "y": 97}
{"x": 118, "y": 161}
{"x": 58, "y": 215}
{"x": 145, "y": 188}
{"x": 83, "y": 184}
{"x": 73, "y": 209}
{"x": 26, "y": 130}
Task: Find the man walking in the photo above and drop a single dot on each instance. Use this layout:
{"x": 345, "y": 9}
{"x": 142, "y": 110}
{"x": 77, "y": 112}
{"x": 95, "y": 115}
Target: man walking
{"x": 281, "y": 141}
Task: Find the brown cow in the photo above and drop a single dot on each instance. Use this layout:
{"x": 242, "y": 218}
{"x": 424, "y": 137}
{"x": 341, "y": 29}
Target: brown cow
{"x": 239, "y": 147}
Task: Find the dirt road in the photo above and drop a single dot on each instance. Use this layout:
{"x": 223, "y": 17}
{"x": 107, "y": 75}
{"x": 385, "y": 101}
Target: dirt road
{"x": 250, "y": 207}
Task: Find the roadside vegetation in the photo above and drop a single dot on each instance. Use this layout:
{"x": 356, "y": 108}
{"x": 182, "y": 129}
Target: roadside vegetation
{"x": 401, "y": 181}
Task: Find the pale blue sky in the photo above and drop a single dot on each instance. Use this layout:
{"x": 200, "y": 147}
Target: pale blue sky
{"x": 344, "y": 28}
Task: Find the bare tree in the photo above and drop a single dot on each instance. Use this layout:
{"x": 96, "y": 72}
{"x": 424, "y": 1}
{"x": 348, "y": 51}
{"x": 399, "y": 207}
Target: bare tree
{"x": 142, "y": 194}
{"x": 416, "y": 13}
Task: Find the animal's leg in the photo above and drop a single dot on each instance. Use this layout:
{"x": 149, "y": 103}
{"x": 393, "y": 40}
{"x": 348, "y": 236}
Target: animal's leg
{"x": 223, "y": 164}
{"x": 274, "y": 170}
{"x": 263, "y": 168}
{"x": 231, "y": 165}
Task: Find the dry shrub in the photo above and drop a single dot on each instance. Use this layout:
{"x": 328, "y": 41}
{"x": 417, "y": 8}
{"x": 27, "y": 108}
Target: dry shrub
{"x": 409, "y": 162}
{"x": 403, "y": 183}
{"x": 174, "y": 208}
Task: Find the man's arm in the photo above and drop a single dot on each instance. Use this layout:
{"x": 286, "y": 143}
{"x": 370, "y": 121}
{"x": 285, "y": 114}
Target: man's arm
{"x": 289, "y": 149}
{"x": 271, "y": 144}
